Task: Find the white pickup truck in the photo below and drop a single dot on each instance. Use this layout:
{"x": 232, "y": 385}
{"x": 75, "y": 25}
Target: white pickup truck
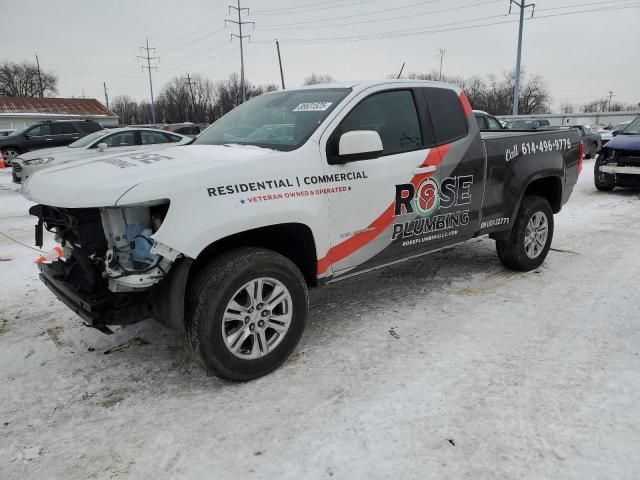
{"x": 221, "y": 239}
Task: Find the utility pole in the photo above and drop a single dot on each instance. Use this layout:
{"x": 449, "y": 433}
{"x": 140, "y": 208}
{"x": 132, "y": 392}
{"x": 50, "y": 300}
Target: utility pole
{"x": 106, "y": 96}
{"x": 611, "y": 94}
{"x": 148, "y": 58}
{"x": 240, "y": 37}
{"x": 516, "y": 90}
{"x": 39, "y": 77}
{"x": 441, "y": 55}
{"x": 280, "y": 62}
{"x": 193, "y": 100}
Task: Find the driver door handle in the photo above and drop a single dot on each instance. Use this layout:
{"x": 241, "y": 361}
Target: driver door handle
{"x": 428, "y": 169}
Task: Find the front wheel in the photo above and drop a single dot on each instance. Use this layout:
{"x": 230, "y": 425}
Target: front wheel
{"x": 246, "y": 313}
{"x": 9, "y": 153}
{"x": 530, "y": 238}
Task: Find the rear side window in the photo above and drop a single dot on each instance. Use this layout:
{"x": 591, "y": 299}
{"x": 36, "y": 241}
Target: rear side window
{"x": 151, "y": 138}
{"x": 172, "y": 138}
{"x": 393, "y": 115}
{"x": 62, "y": 129}
{"x": 493, "y": 124}
{"x": 121, "y": 139}
{"x": 447, "y": 115}
{"x": 482, "y": 123}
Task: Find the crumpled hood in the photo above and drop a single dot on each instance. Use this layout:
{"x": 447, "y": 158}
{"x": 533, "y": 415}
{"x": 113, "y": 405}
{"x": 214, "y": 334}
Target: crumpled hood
{"x": 625, "y": 142}
{"x": 101, "y": 181}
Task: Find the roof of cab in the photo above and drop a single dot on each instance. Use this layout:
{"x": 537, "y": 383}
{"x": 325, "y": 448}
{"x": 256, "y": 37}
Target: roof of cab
{"x": 363, "y": 84}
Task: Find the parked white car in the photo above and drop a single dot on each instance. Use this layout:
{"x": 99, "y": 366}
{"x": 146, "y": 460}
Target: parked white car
{"x": 98, "y": 143}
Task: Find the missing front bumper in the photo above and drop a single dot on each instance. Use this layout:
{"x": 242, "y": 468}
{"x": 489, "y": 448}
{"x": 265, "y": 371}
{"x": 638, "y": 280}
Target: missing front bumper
{"x": 99, "y": 309}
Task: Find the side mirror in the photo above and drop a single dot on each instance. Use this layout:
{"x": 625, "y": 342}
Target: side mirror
{"x": 358, "y": 145}
{"x": 102, "y": 147}
{"x": 615, "y": 132}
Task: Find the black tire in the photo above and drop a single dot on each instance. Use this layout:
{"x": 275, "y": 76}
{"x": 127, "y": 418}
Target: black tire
{"x": 605, "y": 182}
{"x": 9, "y": 153}
{"x": 214, "y": 287}
{"x": 512, "y": 251}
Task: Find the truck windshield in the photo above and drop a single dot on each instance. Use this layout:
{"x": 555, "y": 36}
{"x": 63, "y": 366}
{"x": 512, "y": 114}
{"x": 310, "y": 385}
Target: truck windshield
{"x": 281, "y": 121}
{"x": 633, "y": 128}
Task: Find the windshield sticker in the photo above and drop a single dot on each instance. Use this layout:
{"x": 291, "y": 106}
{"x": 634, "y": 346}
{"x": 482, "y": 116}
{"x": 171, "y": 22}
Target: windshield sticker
{"x": 313, "y": 107}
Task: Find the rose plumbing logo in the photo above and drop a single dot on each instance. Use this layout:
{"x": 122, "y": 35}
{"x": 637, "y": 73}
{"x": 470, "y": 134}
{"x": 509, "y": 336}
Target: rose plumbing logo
{"x": 427, "y": 199}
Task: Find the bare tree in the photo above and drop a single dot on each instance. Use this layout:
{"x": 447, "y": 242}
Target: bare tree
{"x": 229, "y": 95}
{"x": 318, "y": 78}
{"x": 21, "y": 80}
{"x": 126, "y": 108}
{"x": 495, "y": 94}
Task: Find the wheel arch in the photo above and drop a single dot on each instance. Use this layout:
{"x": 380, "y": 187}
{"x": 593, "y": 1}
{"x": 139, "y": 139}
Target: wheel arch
{"x": 545, "y": 185}
{"x": 548, "y": 187}
{"x": 293, "y": 240}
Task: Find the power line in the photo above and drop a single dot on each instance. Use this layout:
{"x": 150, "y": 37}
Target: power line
{"x": 430, "y": 31}
{"x": 361, "y": 14}
{"x": 241, "y": 38}
{"x": 177, "y": 49}
{"x": 582, "y": 4}
{"x": 377, "y": 20}
{"x": 314, "y": 8}
{"x": 148, "y": 58}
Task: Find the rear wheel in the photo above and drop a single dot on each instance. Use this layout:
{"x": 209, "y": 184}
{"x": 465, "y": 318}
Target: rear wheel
{"x": 530, "y": 238}
{"x": 246, "y": 313}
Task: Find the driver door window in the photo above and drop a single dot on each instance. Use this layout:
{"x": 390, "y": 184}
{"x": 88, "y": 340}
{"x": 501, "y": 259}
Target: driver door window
{"x": 392, "y": 114}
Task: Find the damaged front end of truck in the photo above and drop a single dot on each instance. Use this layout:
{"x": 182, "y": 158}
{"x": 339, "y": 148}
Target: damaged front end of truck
{"x": 112, "y": 272}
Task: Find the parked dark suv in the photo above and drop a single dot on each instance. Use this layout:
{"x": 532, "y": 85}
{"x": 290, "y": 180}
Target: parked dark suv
{"x": 45, "y": 134}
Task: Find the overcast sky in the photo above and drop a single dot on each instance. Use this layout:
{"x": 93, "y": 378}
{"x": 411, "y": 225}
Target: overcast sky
{"x": 86, "y": 42}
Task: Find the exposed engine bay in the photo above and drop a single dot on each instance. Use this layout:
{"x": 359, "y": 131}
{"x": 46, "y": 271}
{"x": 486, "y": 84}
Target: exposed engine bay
{"x": 109, "y": 261}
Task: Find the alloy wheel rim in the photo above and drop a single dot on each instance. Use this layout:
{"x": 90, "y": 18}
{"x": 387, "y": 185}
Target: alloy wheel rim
{"x": 9, "y": 154}
{"x": 257, "y": 318}
{"x": 536, "y": 234}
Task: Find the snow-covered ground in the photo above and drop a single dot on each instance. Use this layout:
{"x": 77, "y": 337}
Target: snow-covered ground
{"x": 449, "y": 367}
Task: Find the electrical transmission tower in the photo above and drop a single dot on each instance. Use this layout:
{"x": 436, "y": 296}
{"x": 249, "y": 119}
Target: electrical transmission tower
{"x": 148, "y": 58}
{"x": 441, "y": 55}
{"x": 240, "y": 37}
{"x": 39, "y": 77}
{"x": 516, "y": 90}
{"x": 106, "y": 96}
{"x": 190, "y": 84}
{"x": 611, "y": 94}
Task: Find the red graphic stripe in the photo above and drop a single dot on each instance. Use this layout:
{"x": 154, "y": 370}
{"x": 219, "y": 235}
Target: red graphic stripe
{"x": 466, "y": 106}
{"x": 356, "y": 242}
